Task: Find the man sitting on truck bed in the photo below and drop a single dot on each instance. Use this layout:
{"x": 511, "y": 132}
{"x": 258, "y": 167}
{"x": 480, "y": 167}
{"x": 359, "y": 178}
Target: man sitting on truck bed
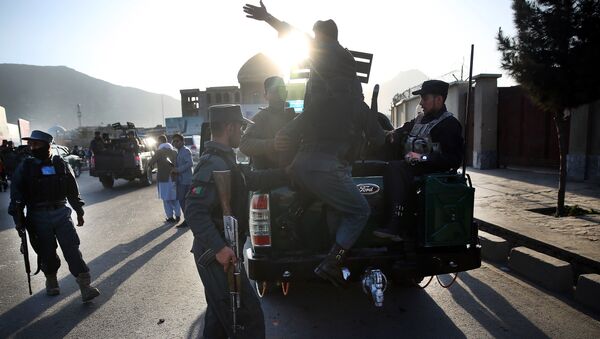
{"x": 258, "y": 141}
{"x": 433, "y": 143}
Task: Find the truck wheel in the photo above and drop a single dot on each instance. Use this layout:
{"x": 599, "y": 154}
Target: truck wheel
{"x": 107, "y": 182}
{"x": 146, "y": 179}
{"x": 77, "y": 171}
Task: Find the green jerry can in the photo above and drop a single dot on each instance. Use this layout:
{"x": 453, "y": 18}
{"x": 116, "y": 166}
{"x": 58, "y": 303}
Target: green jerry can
{"x": 446, "y": 210}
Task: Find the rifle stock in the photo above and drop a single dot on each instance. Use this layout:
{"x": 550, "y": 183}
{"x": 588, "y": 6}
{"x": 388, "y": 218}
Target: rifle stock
{"x": 230, "y": 228}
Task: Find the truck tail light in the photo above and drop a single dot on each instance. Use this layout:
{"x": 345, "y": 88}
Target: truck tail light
{"x": 138, "y": 161}
{"x": 260, "y": 223}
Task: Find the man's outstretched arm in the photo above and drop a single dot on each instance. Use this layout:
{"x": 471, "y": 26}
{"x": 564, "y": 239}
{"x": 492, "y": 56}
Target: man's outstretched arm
{"x": 260, "y": 13}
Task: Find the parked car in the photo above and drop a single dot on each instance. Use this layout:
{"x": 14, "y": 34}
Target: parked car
{"x": 74, "y": 160}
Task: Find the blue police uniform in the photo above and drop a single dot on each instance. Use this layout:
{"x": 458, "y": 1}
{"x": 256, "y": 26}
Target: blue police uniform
{"x": 44, "y": 186}
{"x": 205, "y": 219}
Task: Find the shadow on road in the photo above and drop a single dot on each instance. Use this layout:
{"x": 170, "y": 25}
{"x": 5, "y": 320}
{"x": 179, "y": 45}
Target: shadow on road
{"x": 505, "y": 319}
{"x": 322, "y": 311}
{"x": 74, "y": 312}
{"x": 197, "y": 327}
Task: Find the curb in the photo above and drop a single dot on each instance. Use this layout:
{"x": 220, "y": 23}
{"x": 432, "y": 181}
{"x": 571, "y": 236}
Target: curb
{"x": 549, "y": 272}
{"x": 580, "y": 264}
{"x": 587, "y": 291}
{"x": 545, "y": 270}
{"x": 493, "y": 248}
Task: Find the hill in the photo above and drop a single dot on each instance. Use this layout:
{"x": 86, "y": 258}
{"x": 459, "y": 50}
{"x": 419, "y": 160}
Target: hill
{"x": 48, "y": 96}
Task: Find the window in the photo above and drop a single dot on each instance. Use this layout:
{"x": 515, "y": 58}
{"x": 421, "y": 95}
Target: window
{"x": 219, "y": 99}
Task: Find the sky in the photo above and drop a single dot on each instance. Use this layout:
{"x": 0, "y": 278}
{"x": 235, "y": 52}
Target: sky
{"x": 164, "y": 46}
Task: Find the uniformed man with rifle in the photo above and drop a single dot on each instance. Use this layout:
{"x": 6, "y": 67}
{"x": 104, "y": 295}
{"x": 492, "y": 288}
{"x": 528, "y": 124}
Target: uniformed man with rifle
{"x": 217, "y": 213}
{"x": 43, "y": 184}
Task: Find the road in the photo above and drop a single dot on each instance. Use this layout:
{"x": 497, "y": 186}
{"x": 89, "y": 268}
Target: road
{"x": 150, "y": 289}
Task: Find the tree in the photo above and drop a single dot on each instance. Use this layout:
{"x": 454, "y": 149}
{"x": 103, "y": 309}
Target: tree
{"x": 555, "y": 56}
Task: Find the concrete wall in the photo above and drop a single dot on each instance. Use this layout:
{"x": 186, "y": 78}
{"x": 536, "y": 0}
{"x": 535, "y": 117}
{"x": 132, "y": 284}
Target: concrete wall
{"x": 485, "y": 121}
{"x": 406, "y": 110}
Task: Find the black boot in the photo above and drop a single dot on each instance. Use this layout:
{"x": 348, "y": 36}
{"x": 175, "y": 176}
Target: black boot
{"x": 391, "y": 229}
{"x": 331, "y": 268}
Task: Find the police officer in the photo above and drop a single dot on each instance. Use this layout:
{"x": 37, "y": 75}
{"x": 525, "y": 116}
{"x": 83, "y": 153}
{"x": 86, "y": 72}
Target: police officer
{"x": 433, "y": 143}
{"x": 205, "y": 218}
{"x": 258, "y": 140}
{"x": 44, "y": 183}
{"x": 332, "y": 121}
{"x": 97, "y": 144}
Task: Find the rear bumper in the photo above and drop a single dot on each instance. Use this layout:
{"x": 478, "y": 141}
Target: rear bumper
{"x": 425, "y": 262}
{"x": 127, "y": 173}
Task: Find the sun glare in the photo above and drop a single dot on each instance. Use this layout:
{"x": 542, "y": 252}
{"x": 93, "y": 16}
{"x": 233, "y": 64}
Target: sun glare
{"x": 289, "y": 51}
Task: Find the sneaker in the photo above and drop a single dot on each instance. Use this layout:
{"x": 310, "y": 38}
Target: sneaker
{"x": 182, "y": 225}
{"x": 177, "y": 218}
{"x": 170, "y": 219}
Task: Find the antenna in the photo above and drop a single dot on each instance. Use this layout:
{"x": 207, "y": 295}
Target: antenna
{"x": 79, "y": 114}
{"x": 468, "y": 109}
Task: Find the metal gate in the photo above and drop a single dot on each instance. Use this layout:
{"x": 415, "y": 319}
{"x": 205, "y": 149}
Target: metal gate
{"x": 526, "y": 134}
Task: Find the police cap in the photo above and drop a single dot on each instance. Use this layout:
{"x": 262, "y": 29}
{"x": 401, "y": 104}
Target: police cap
{"x": 437, "y": 87}
{"x": 40, "y": 136}
{"x": 227, "y": 113}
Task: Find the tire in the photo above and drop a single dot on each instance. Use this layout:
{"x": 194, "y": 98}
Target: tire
{"x": 107, "y": 181}
{"x": 146, "y": 179}
{"x": 77, "y": 171}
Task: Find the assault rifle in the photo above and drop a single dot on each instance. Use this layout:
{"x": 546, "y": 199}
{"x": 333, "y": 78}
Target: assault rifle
{"x": 22, "y": 230}
{"x": 230, "y": 228}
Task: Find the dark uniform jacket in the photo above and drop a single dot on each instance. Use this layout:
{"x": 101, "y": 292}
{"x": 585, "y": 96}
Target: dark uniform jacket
{"x": 33, "y": 184}
{"x": 202, "y": 202}
{"x": 258, "y": 139}
{"x": 448, "y": 133}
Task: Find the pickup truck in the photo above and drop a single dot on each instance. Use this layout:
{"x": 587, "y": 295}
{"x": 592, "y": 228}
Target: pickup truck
{"x": 442, "y": 236}
{"x": 124, "y": 158}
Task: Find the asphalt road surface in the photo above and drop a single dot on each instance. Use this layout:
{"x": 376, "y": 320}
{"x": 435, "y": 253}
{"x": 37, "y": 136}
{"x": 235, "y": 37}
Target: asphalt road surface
{"x": 150, "y": 289}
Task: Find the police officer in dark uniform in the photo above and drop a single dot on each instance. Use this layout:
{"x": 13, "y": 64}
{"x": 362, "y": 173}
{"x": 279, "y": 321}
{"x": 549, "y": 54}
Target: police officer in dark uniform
{"x": 205, "y": 218}
{"x": 332, "y": 122}
{"x": 44, "y": 183}
{"x": 430, "y": 143}
{"x": 97, "y": 144}
{"x": 258, "y": 140}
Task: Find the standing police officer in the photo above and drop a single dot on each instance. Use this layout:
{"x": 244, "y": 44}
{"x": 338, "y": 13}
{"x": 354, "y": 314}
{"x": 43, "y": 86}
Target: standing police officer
{"x": 205, "y": 218}
{"x": 44, "y": 184}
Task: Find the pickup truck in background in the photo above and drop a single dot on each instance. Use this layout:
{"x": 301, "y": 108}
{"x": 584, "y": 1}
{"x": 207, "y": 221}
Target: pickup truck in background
{"x": 123, "y": 158}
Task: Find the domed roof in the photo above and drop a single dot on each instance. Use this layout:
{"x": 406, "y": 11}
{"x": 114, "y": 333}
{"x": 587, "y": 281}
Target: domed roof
{"x": 56, "y": 129}
{"x": 257, "y": 69}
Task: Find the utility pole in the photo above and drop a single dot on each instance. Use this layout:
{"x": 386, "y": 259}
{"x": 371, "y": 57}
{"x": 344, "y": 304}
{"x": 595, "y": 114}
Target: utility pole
{"x": 79, "y": 114}
{"x": 162, "y": 107}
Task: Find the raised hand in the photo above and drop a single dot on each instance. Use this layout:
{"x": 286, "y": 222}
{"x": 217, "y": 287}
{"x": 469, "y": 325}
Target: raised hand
{"x": 255, "y": 12}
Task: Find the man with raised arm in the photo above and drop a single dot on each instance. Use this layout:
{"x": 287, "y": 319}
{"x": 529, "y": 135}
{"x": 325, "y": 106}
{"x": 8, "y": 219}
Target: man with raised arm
{"x": 332, "y": 121}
